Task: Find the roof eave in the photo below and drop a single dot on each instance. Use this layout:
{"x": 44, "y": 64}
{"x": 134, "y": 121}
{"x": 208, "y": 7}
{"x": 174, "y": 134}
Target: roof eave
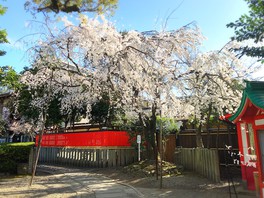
{"x": 241, "y": 109}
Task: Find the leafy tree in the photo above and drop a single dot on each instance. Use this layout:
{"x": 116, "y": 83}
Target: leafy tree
{"x": 31, "y": 114}
{"x": 136, "y": 66}
{"x": 100, "y": 110}
{"x": 152, "y": 72}
{"x": 9, "y": 79}
{"x": 24, "y": 107}
{"x": 3, "y": 127}
{"x": 9, "y": 84}
{"x": 69, "y": 6}
{"x": 106, "y": 113}
{"x": 169, "y": 125}
{"x": 3, "y": 33}
{"x": 214, "y": 86}
{"x": 250, "y": 27}
{"x": 27, "y": 108}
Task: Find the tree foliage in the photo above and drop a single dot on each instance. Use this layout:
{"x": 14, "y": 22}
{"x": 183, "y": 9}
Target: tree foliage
{"x": 168, "y": 125}
{"x": 68, "y": 6}
{"x": 100, "y": 110}
{"x": 95, "y": 57}
{"x": 251, "y": 27}
{"x": 30, "y": 113}
{"x": 150, "y": 72}
{"x": 3, "y": 33}
{"x": 105, "y": 113}
{"x": 9, "y": 79}
{"x": 24, "y": 107}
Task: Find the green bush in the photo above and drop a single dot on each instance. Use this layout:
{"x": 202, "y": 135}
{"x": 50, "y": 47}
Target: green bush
{"x": 13, "y": 153}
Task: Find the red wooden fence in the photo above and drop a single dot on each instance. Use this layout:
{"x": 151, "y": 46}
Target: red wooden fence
{"x": 85, "y": 139}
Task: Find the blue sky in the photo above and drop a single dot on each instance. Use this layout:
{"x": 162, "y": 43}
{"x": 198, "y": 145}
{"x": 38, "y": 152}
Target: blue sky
{"x": 211, "y": 16}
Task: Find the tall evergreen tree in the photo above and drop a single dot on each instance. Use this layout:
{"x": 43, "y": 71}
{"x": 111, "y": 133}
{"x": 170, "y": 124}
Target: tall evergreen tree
{"x": 251, "y": 27}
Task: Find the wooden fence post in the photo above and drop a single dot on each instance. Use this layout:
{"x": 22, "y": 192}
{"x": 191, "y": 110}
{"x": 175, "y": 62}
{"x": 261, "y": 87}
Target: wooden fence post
{"x": 87, "y": 157}
{"x": 202, "y": 161}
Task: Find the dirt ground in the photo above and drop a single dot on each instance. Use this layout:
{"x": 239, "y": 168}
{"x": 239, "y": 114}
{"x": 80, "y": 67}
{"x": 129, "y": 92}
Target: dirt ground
{"x": 187, "y": 181}
{"x": 184, "y": 185}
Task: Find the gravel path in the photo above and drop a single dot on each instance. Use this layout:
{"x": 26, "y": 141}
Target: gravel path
{"x": 61, "y": 182}
{"x": 53, "y": 181}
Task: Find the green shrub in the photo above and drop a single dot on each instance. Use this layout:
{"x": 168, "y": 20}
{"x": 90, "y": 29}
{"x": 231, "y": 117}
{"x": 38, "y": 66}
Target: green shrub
{"x": 13, "y": 153}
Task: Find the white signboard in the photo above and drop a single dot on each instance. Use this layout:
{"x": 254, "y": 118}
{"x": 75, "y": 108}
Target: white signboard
{"x": 138, "y": 139}
{"x": 138, "y": 142}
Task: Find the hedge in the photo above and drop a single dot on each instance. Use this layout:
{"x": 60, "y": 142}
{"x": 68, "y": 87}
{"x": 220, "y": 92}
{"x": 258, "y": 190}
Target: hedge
{"x": 12, "y": 154}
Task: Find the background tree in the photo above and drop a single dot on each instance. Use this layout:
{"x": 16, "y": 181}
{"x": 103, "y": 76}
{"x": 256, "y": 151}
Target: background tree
{"x": 9, "y": 85}
{"x": 69, "y": 6}
{"x": 3, "y": 33}
{"x": 27, "y": 111}
{"x": 24, "y": 107}
{"x": 251, "y": 28}
{"x": 106, "y": 115}
{"x": 212, "y": 86}
{"x": 9, "y": 79}
{"x": 152, "y": 72}
{"x": 93, "y": 58}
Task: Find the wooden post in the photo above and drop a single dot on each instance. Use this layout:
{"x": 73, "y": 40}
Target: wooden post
{"x": 161, "y": 151}
{"x": 37, "y": 156}
{"x": 31, "y": 160}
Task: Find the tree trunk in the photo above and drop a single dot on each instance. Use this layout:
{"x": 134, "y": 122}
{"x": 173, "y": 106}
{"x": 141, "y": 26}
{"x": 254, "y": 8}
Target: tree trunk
{"x": 153, "y": 124}
{"x": 150, "y": 128}
{"x": 38, "y": 149}
{"x": 199, "y": 139}
{"x": 208, "y": 126}
{"x": 149, "y": 136}
{"x": 150, "y": 149}
{"x": 217, "y": 136}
